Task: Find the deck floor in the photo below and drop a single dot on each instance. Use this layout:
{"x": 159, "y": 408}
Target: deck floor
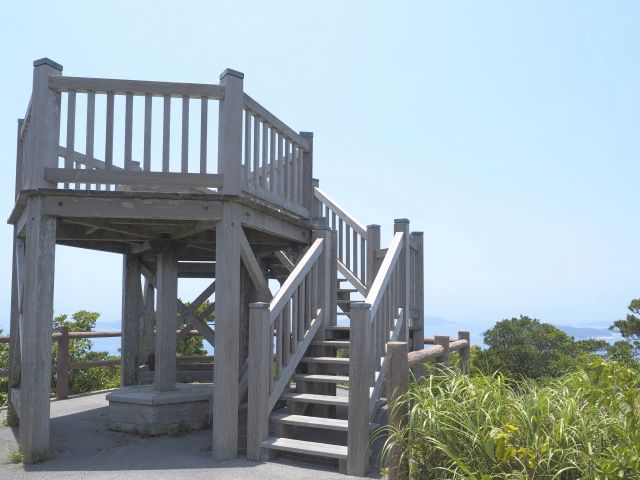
{"x": 82, "y": 447}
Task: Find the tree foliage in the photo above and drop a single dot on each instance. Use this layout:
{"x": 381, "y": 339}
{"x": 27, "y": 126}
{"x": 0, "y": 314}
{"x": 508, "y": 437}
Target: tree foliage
{"x": 629, "y": 328}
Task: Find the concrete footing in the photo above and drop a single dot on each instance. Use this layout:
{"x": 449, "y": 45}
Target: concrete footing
{"x": 145, "y": 411}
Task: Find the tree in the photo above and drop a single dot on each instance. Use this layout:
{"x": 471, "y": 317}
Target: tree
{"x": 529, "y": 348}
{"x": 629, "y": 328}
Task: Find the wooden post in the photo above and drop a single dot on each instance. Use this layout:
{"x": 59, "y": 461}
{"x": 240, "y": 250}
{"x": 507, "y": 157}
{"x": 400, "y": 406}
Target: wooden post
{"x": 259, "y": 371}
{"x": 465, "y": 353}
{"x": 129, "y": 342}
{"x": 324, "y": 278}
{"x": 373, "y": 244}
{"x": 333, "y": 279}
{"x": 35, "y": 384}
{"x": 397, "y": 385}
{"x": 62, "y": 364}
{"x": 147, "y": 324}
{"x": 360, "y": 380}
{"x": 418, "y": 288}
{"x": 227, "y": 338}
{"x": 402, "y": 225}
{"x": 307, "y": 174}
{"x": 443, "y": 341}
{"x": 230, "y": 132}
{"x": 164, "y": 378}
{"x": 17, "y": 278}
{"x": 44, "y": 128}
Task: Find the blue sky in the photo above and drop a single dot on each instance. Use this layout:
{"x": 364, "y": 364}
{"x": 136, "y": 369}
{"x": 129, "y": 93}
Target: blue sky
{"x": 506, "y": 131}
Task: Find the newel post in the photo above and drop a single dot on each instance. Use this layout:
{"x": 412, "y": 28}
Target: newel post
{"x": 360, "y": 380}
{"x": 307, "y": 174}
{"x": 230, "y": 132}
{"x": 418, "y": 292}
{"x": 44, "y": 127}
{"x": 402, "y": 225}
{"x": 62, "y": 364}
{"x": 333, "y": 278}
{"x": 323, "y": 288}
{"x": 465, "y": 352}
{"x": 397, "y": 385}
{"x": 259, "y": 372}
{"x": 373, "y": 245}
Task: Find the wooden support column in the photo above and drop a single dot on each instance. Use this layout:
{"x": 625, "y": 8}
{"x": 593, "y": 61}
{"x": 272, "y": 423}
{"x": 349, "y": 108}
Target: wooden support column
{"x": 166, "y": 318}
{"x": 418, "y": 288}
{"x": 131, "y": 299}
{"x": 227, "y": 338}
{"x": 147, "y": 323}
{"x": 248, "y": 295}
{"x": 36, "y": 330}
{"x": 307, "y": 174}
{"x": 230, "y": 132}
{"x": 397, "y": 385}
{"x": 402, "y": 225}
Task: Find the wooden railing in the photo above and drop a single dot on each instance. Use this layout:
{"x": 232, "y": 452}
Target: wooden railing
{"x": 401, "y": 361}
{"x": 63, "y": 365}
{"x": 280, "y": 333}
{"x": 105, "y": 134}
{"x": 381, "y": 318}
{"x": 357, "y": 244}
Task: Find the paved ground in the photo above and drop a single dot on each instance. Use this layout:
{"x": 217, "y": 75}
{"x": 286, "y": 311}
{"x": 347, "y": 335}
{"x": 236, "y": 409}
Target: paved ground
{"x": 83, "y": 449}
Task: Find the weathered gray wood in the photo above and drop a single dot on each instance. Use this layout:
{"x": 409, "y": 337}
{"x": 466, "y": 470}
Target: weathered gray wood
{"x": 204, "y": 117}
{"x": 211, "y": 180}
{"x": 71, "y": 130}
{"x": 167, "y": 288}
{"x": 17, "y": 296}
{"x": 128, "y": 131}
{"x": 36, "y": 333}
{"x": 401, "y": 225}
{"x": 397, "y": 386}
{"x": 147, "y": 323}
{"x": 184, "y": 164}
{"x": 443, "y": 341}
{"x": 44, "y": 125}
{"x": 259, "y": 372}
{"x": 166, "y": 133}
{"x": 62, "y": 365}
{"x": 308, "y": 448}
{"x": 262, "y": 179}
{"x": 418, "y": 288}
{"x": 108, "y": 147}
{"x": 360, "y": 376}
{"x": 342, "y": 213}
{"x": 465, "y": 352}
{"x": 90, "y": 133}
{"x": 136, "y": 87}
{"x": 418, "y": 357}
{"x": 148, "y": 110}
{"x": 253, "y": 268}
{"x": 230, "y": 131}
{"x": 373, "y": 244}
{"x": 333, "y": 279}
{"x": 374, "y": 295}
{"x": 226, "y": 373}
{"x": 129, "y": 342}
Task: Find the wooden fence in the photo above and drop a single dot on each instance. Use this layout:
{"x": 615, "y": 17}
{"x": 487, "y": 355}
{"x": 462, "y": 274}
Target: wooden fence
{"x": 401, "y": 362}
{"x": 63, "y": 365}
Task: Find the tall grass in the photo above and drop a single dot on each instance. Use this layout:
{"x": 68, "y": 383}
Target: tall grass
{"x": 581, "y": 426}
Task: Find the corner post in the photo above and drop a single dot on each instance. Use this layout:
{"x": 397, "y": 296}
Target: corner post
{"x": 397, "y": 386}
{"x": 402, "y": 225}
{"x": 418, "y": 292}
{"x": 164, "y": 378}
{"x": 360, "y": 380}
{"x": 259, "y": 371}
{"x": 443, "y": 341}
{"x": 307, "y": 174}
{"x": 465, "y": 353}
{"x": 230, "y": 132}
{"x": 129, "y": 341}
{"x": 44, "y": 130}
{"x": 373, "y": 245}
{"x": 62, "y": 365}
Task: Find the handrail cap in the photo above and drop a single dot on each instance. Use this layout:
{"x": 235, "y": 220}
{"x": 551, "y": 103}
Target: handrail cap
{"x": 233, "y": 73}
{"x": 47, "y": 61}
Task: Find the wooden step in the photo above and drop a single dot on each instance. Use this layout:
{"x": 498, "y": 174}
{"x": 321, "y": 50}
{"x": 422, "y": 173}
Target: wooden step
{"x": 338, "y": 328}
{"x": 313, "y": 398}
{"x": 326, "y": 360}
{"x": 332, "y": 343}
{"x": 308, "y": 377}
{"x": 308, "y": 448}
{"x": 312, "y": 422}
{"x": 348, "y": 290}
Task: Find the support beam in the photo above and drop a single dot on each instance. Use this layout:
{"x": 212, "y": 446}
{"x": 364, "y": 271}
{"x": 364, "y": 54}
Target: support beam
{"x": 130, "y": 340}
{"x": 253, "y": 268}
{"x": 36, "y": 329}
{"x": 166, "y": 318}
{"x": 226, "y": 373}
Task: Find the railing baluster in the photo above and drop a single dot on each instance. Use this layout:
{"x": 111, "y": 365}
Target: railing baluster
{"x": 347, "y": 239}
{"x": 355, "y": 254}
{"x": 128, "y": 131}
{"x": 256, "y": 150}
{"x": 166, "y": 133}
{"x": 272, "y": 161}
{"x": 71, "y": 133}
{"x": 363, "y": 261}
{"x": 304, "y": 305}
{"x": 204, "y": 117}
{"x": 279, "y": 341}
{"x": 247, "y": 144}
{"x": 286, "y": 335}
{"x": 91, "y": 115}
{"x": 184, "y": 164}
{"x": 340, "y": 239}
{"x": 295, "y": 317}
{"x": 148, "y": 110}
{"x": 281, "y": 176}
{"x": 265, "y": 154}
{"x": 108, "y": 148}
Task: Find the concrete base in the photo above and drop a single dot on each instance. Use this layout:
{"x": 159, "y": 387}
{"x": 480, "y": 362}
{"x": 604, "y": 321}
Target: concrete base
{"x": 145, "y": 411}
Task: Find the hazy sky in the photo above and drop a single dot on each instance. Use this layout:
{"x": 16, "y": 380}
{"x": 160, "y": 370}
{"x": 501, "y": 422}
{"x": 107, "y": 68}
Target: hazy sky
{"x": 507, "y": 131}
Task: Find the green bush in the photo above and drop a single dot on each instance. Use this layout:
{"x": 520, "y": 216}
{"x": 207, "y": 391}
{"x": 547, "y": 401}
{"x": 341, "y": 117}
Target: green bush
{"x": 583, "y": 425}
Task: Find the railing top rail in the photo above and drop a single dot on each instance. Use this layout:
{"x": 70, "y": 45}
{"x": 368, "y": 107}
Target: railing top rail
{"x": 341, "y": 212}
{"x": 261, "y": 112}
{"x": 295, "y": 278}
{"x": 419, "y": 357}
{"x": 384, "y": 273}
{"x": 61, "y": 83}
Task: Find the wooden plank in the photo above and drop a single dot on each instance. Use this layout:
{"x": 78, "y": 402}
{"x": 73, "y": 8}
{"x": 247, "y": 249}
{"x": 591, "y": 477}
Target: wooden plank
{"x": 259, "y": 374}
{"x": 384, "y": 275}
{"x": 166, "y": 133}
{"x": 256, "y": 149}
{"x": 184, "y": 164}
{"x": 308, "y": 448}
{"x": 274, "y": 121}
{"x": 148, "y": 110}
{"x": 351, "y": 278}
{"x": 317, "y": 399}
{"x": 128, "y": 132}
{"x": 272, "y": 161}
{"x": 211, "y": 180}
{"x": 204, "y": 117}
{"x": 326, "y": 360}
{"x": 230, "y": 136}
{"x": 131, "y": 299}
{"x": 167, "y": 290}
{"x": 87, "y": 160}
{"x": 247, "y": 140}
{"x": 71, "y": 129}
{"x": 265, "y": 155}
{"x": 308, "y": 377}
{"x": 91, "y": 115}
{"x": 310, "y": 422}
{"x": 136, "y": 87}
{"x": 342, "y": 213}
{"x": 255, "y": 272}
{"x": 108, "y": 148}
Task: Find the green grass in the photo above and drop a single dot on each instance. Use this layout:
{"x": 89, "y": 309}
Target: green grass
{"x": 15, "y": 456}
{"x": 584, "y": 425}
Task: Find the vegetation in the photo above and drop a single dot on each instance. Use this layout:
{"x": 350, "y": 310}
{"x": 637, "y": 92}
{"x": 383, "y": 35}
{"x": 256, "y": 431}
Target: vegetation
{"x": 4, "y": 365}
{"x": 629, "y": 328}
{"x": 581, "y": 425}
